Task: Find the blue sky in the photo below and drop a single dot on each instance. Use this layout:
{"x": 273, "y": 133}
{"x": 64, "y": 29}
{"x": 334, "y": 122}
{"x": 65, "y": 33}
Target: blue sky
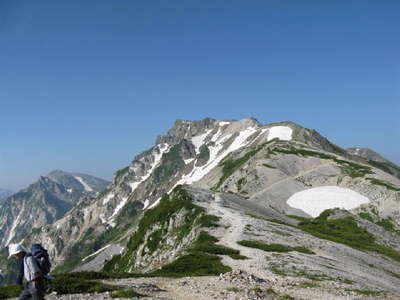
{"x": 86, "y": 85}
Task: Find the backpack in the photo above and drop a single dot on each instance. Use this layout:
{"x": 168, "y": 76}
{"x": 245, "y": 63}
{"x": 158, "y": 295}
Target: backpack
{"x": 42, "y": 258}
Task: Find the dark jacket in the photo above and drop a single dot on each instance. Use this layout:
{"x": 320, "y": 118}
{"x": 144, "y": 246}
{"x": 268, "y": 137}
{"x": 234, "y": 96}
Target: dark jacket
{"x": 20, "y": 270}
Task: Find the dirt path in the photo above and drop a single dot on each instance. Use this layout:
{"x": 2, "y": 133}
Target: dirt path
{"x": 256, "y": 262}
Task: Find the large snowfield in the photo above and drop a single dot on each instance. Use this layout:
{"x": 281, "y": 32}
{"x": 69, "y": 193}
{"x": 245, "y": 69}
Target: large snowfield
{"x": 315, "y": 200}
{"x": 281, "y": 132}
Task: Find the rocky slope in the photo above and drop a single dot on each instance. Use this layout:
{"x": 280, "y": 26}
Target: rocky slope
{"x": 43, "y": 202}
{"x": 376, "y": 160}
{"x": 252, "y": 177}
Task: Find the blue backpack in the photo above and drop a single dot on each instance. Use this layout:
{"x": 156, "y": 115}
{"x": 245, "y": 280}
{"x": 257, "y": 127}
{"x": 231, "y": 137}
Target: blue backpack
{"x": 42, "y": 258}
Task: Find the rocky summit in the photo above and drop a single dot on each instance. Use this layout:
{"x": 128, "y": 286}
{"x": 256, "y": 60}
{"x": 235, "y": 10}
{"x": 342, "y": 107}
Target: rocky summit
{"x": 224, "y": 209}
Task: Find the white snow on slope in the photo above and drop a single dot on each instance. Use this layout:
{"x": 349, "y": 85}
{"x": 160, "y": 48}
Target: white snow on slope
{"x": 146, "y": 204}
{"x": 155, "y": 203}
{"x": 85, "y": 185}
{"x": 280, "y": 132}
{"x": 188, "y": 161}
{"x": 119, "y": 207}
{"x": 94, "y": 253}
{"x": 216, "y": 157}
{"x": 157, "y": 158}
{"x": 198, "y": 140}
{"x": 13, "y": 227}
{"x": 315, "y": 200}
{"x": 108, "y": 198}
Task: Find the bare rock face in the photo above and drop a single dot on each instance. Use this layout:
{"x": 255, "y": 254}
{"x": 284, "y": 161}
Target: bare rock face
{"x": 44, "y": 202}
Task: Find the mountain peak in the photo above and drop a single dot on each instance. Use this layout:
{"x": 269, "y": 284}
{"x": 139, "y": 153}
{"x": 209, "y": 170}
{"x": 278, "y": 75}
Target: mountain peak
{"x": 57, "y": 173}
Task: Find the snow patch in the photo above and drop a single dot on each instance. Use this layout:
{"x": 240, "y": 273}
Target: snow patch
{"x": 69, "y": 191}
{"x": 146, "y": 204}
{"x": 13, "y": 227}
{"x": 157, "y": 158}
{"x": 155, "y": 203}
{"x": 134, "y": 185}
{"x": 95, "y": 253}
{"x": 102, "y": 219}
{"x": 281, "y": 132}
{"x": 85, "y": 185}
{"x": 315, "y": 200}
{"x": 198, "y": 140}
{"x": 119, "y": 207}
{"x": 188, "y": 161}
{"x": 86, "y": 211}
{"x": 223, "y": 123}
{"x": 108, "y": 198}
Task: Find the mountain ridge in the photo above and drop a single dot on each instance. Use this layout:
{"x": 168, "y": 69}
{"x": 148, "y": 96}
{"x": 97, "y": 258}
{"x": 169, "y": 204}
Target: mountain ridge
{"x": 42, "y": 202}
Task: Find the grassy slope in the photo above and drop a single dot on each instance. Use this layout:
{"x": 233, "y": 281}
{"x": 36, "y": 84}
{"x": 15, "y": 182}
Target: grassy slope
{"x": 200, "y": 259}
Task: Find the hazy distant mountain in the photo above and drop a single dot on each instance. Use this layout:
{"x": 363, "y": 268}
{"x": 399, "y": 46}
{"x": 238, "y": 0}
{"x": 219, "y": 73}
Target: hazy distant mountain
{"x": 4, "y": 194}
{"x": 43, "y": 202}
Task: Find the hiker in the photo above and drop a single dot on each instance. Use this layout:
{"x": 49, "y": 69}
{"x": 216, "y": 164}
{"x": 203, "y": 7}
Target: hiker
{"x": 28, "y": 268}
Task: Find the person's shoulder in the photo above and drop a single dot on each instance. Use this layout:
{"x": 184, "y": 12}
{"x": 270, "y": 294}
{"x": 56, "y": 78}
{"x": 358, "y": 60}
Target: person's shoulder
{"x": 28, "y": 258}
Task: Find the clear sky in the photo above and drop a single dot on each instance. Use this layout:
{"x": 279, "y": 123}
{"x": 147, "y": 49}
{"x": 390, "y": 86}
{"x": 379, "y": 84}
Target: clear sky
{"x": 86, "y": 85}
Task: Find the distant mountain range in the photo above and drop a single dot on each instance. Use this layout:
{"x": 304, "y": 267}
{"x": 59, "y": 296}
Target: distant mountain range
{"x": 43, "y": 202}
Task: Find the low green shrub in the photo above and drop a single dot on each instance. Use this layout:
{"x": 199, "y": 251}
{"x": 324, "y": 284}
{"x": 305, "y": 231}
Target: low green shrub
{"x": 68, "y": 285}
{"x": 229, "y": 165}
{"x": 201, "y": 260}
{"x": 303, "y": 250}
{"x": 384, "y": 183}
{"x": 238, "y": 256}
{"x": 366, "y": 292}
{"x": 125, "y": 293}
{"x": 10, "y": 291}
{"x": 274, "y": 247}
{"x": 170, "y": 205}
{"x": 366, "y": 216}
{"x": 193, "y": 264}
{"x": 345, "y": 231}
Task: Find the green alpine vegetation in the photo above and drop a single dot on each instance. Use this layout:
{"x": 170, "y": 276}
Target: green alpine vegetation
{"x": 386, "y": 184}
{"x": 77, "y": 283}
{"x": 349, "y": 168}
{"x": 201, "y": 260}
{"x": 386, "y": 167}
{"x": 171, "y": 162}
{"x": 230, "y": 165}
{"x": 204, "y": 153}
{"x": 273, "y": 247}
{"x": 10, "y": 291}
{"x": 125, "y": 293}
{"x": 202, "y": 254}
{"x": 301, "y": 152}
{"x": 345, "y": 231}
{"x": 90, "y": 243}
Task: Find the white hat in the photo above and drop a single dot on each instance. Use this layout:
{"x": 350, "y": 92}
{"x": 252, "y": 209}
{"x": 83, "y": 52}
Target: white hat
{"x": 15, "y": 249}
